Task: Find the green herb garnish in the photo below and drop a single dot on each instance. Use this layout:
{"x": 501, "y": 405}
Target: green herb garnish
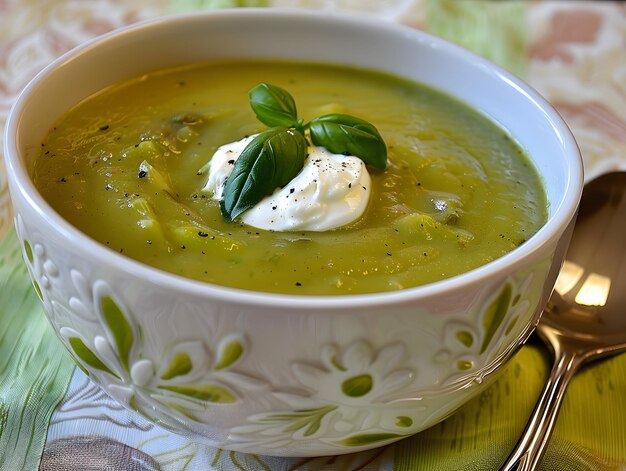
{"x": 344, "y": 134}
{"x": 274, "y": 157}
{"x": 271, "y": 160}
{"x": 274, "y": 106}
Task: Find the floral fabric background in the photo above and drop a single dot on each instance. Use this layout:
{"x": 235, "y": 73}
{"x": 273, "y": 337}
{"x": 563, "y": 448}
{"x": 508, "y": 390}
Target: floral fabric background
{"x": 52, "y": 416}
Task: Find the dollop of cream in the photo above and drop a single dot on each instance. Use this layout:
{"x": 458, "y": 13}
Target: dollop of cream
{"x": 330, "y": 191}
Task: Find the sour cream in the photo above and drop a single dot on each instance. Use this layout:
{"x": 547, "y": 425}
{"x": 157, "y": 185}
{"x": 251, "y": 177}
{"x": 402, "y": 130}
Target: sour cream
{"x": 330, "y": 191}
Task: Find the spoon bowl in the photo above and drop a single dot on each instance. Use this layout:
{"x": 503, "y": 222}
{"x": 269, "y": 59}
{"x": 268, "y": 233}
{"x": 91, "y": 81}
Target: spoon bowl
{"x": 586, "y": 315}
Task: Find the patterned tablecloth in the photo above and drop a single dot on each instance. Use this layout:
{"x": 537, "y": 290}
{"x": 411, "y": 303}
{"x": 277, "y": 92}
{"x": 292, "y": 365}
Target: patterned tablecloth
{"x": 53, "y": 417}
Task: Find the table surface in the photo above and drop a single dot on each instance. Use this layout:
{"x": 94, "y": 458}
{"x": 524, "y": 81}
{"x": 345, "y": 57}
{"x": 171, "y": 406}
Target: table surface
{"x": 53, "y": 417}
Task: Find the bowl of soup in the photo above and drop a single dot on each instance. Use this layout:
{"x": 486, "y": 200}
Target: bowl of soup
{"x": 292, "y": 339}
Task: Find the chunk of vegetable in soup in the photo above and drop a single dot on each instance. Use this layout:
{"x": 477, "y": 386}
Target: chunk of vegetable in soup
{"x": 125, "y": 167}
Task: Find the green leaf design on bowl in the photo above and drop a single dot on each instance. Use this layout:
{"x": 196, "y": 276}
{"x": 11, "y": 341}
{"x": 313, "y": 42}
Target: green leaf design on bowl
{"x": 357, "y": 386}
{"x": 336, "y": 363}
{"x": 311, "y": 419}
{"x": 180, "y": 365}
{"x": 509, "y": 327}
{"x": 404, "y": 421}
{"x": 119, "y": 327}
{"x": 495, "y": 313}
{"x": 465, "y": 337}
{"x": 229, "y": 354}
{"x": 38, "y": 289}
{"x": 29, "y": 252}
{"x": 364, "y": 439}
{"x": 85, "y": 354}
{"x": 204, "y": 392}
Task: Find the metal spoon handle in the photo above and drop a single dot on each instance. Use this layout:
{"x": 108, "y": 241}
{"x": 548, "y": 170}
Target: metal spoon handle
{"x": 532, "y": 444}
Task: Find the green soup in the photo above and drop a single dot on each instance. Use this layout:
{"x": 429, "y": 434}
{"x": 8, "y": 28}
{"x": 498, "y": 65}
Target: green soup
{"x": 458, "y": 191}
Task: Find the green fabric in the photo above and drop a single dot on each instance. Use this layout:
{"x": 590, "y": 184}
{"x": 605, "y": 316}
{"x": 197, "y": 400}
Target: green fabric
{"x": 483, "y": 432}
{"x": 35, "y": 369}
{"x": 494, "y": 29}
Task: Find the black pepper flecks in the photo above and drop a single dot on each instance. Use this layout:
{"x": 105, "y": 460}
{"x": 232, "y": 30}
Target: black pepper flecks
{"x": 104, "y": 127}
{"x": 202, "y": 234}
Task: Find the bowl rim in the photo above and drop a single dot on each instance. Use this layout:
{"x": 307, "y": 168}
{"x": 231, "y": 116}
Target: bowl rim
{"x": 549, "y": 233}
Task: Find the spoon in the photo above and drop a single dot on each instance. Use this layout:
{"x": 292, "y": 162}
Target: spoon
{"x": 586, "y": 315}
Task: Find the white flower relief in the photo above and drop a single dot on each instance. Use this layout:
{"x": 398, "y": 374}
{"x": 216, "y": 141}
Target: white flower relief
{"x": 357, "y": 377}
{"x": 185, "y": 379}
{"x": 349, "y": 392}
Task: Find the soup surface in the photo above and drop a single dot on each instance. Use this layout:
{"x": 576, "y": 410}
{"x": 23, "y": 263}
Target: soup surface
{"x": 457, "y": 193}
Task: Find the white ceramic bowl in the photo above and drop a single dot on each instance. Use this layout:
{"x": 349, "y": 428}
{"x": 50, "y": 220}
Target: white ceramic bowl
{"x": 281, "y": 374}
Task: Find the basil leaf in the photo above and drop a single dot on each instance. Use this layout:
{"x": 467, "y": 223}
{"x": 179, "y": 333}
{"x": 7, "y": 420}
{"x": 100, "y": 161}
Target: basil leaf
{"x": 273, "y": 106}
{"x": 344, "y": 134}
{"x": 271, "y": 160}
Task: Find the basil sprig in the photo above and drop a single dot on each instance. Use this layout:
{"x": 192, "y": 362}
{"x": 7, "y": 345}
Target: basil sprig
{"x": 345, "y": 134}
{"x": 274, "y": 106}
{"x": 271, "y": 160}
{"x": 274, "y": 157}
